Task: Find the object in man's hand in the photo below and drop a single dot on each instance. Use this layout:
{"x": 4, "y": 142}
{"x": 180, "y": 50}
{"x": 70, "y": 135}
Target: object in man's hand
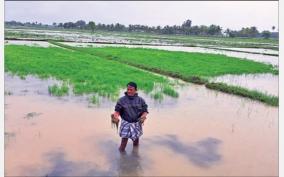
{"x": 142, "y": 119}
{"x": 114, "y": 121}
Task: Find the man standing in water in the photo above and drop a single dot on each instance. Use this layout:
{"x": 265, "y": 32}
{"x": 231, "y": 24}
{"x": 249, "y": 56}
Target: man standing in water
{"x": 133, "y": 111}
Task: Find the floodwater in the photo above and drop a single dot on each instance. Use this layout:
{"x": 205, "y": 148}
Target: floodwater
{"x": 255, "y": 57}
{"x": 118, "y": 37}
{"x": 32, "y": 85}
{"x": 201, "y": 133}
{"x": 266, "y": 51}
{"x": 265, "y": 83}
{"x": 29, "y": 43}
{"x": 75, "y": 36}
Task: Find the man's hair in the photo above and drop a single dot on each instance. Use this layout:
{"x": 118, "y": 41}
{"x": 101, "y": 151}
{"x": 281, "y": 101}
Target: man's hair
{"x": 132, "y": 84}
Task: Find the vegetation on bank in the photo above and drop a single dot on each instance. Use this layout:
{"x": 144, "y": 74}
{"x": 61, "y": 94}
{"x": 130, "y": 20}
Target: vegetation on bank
{"x": 252, "y": 94}
{"x": 85, "y": 73}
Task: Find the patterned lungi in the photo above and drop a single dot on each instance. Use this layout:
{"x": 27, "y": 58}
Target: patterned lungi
{"x": 130, "y": 130}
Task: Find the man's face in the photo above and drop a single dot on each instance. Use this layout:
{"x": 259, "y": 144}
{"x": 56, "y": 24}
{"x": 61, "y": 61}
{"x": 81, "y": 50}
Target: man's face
{"x": 131, "y": 90}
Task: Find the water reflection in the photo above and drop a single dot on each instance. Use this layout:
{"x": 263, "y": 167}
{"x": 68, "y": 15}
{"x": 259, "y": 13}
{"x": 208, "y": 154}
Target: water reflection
{"x": 90, "y": 146}
{"x": 203, "y": 153}
{"x": 129, "y": 164}
{"x": 265, "y": 83}
{"x": 57, "y": 164}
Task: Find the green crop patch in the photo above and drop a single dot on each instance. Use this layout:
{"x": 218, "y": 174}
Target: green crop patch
{"x": 185, "y": 65}
{"x": 85, "y": 73}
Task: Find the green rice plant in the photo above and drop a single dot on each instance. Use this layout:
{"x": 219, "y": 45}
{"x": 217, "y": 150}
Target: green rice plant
{"x": 86, "y": 73}
{"x": 95, "y": 99}
{"x": 183, "y": 63}
{"x": 157, "y": 96}
{"x": 169, "y": 91}
{"x": 57, "y": 90}
{"x": 206, "y": 66}
{"x": 192, "y": 67}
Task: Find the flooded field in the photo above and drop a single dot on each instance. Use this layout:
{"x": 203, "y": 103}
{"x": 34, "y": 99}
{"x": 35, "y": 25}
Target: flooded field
{"x": 265, "y": 83}
{"x": 266, "y": 51}
{"x": 133, "y": 38}
{"x": 29, "y": 43}
{"x": 255, "y": 57}
{"x": 207, "y": 132}
{"x": 75, "y": 36}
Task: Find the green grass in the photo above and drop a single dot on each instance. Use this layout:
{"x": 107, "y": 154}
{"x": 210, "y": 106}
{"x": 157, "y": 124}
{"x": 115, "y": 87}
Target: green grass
{"x": 157, "y": 96}
{"x": 252, "y": 94}
{"x": 57, "y": 90}
{"x": 169, "y": 91}
{"x": 95, "y": 99}
{"x": 195, "y": 67}
{"x": 85, "y": 73}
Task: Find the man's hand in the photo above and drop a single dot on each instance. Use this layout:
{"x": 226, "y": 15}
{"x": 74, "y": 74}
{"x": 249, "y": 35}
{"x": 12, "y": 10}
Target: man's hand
{"x": 115, "y": 117}
{"x": 143, "y": 117}
{"x": 144, "y": 114}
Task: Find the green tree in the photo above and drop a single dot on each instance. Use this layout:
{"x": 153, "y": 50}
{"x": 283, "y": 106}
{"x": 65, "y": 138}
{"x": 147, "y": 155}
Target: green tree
{"x": 80, "y": 24}
{"x": 92, "y": 26}
{"x": 265, "y": 34}
{"x": 186, "y": 24}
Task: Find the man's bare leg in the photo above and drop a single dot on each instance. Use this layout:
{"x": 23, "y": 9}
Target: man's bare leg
{"x": 136, "y": 142}
{"x": 123, "y": 144}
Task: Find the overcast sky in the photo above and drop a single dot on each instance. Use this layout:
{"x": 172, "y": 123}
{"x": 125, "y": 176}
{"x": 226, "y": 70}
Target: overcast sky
{"x": 230, "y": 14}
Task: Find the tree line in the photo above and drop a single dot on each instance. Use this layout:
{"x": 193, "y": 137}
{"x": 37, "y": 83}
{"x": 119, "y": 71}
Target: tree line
{"x": 186, "y": 28}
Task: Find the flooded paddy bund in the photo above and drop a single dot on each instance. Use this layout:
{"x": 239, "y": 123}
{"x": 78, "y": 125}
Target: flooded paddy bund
{"x": 207, "y": 132}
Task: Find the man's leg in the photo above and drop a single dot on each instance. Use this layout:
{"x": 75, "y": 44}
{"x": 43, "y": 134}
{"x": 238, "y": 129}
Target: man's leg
{"x": 136, "y": 142}
{"x": 123, "y": 144}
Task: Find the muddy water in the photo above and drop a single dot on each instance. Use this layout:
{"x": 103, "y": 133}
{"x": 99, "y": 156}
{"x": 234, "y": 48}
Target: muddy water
{"x": 265, "y": 83}
{"x": 33, "y": 85}
{"x": 29, "y": 43}
{"x": 255, "y": 57}
{"x": 266, "y": 51}
{"x": 201, "y": 133}
{"x": 74, "y": 36}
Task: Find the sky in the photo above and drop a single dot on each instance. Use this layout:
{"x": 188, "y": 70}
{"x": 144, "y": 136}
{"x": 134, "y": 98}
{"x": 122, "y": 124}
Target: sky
{"x": 227, "y": 14}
